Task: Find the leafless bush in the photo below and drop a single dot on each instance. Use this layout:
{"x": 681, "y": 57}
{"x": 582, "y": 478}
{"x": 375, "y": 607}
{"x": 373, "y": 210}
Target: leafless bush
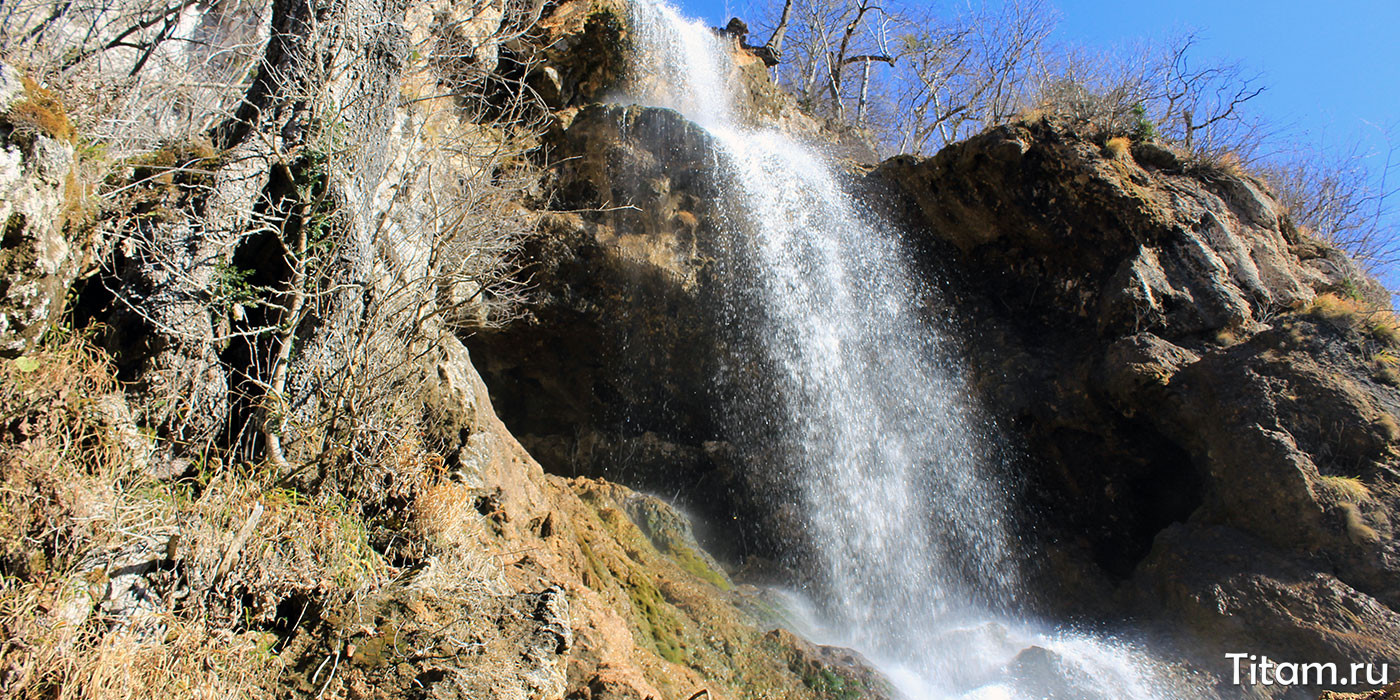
{"x": 298, "y": 217}
{"x": 302, "y": 200}
{"x": 1336, "y": 196}
{"x": 136, "y": 73}
{"x": 930, "y": 78}
{"x": 379, "y": 266}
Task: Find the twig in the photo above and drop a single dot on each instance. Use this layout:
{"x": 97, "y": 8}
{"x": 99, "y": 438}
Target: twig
{"x": 238, "y": 542}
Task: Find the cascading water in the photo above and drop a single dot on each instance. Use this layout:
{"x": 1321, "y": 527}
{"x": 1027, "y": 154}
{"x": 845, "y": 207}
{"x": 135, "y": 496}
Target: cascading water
{"x": 876, "y": 425}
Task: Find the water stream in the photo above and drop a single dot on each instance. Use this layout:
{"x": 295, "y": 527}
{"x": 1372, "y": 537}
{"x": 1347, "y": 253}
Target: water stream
{"x": 876, "y": 427}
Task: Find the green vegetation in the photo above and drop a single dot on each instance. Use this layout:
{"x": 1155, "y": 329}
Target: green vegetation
{"x": 653, "y": 618}
{"x": 695, "y": 564}
{"x": 1144, "y": 129}
{"x": 830, "y": 685}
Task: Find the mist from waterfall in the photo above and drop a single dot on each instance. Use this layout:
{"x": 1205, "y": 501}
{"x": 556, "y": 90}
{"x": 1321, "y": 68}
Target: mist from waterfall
{"x": 877, "y": 430}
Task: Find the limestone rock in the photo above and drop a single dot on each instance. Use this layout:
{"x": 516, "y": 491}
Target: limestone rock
{"x": 41, "y": 243}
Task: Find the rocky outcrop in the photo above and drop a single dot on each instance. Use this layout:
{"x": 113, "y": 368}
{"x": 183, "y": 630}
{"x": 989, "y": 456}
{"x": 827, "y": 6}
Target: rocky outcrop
{"x": 1207, "y": 429}
{"x": 43, "y": 244}
{"x": 313, "y": 494}
{"x": 617, "y": 371}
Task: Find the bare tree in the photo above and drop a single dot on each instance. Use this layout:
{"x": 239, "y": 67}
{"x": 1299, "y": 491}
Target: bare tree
{"x": 1201, "y": 106}
{"x": 825, "y": 39}
{"x": 1339, "y": 197}
{"x": 287, "y": 244}
{"x": 136, "y": 73}
{"x": 956, "y": 75}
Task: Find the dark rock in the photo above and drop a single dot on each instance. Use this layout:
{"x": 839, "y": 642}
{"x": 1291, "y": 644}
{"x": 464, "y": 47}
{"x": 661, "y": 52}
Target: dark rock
{"x": 1236, "y": 593}
{"x": 1040, "y": 673}
{"x": 635, "y": 269}
{"x": 767, "y": 54}
{"x": 1219, "y": 454}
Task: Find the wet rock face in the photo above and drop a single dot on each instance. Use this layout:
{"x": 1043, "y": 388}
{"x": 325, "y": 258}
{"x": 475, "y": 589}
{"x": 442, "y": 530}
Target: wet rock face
{"x": 39, "y": 254}
{"x": 623, "y": 269}
{"x": 615, "y": 374}
{"x": 1198, "y": 435}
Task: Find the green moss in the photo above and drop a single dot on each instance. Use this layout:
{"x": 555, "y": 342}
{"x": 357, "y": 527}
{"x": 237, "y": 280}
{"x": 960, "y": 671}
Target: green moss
{"x": 670, "y": 534}
{"x": 695, "y": 565}
{"x": 600, "y": 571}
{"x": 831, "y": 685}
{"x": 654, "y": 620}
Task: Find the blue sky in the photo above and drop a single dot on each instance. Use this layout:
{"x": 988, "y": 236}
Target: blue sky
{"x": 1332, "y": 67}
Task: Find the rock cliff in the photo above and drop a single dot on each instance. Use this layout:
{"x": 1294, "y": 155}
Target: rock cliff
{"x": 258, "y": 454}
{"x": 245, "y": 451}
{"x": 1199, "y": 393}
{"x": 1202, "y": 389}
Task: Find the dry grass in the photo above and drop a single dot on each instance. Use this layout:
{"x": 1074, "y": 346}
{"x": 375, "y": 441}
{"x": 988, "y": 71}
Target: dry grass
{"x": 1227, "y": 164}
{"x": 1346, "y": 488}
{"x": 77, "y": 505}
{"x": 1385, "y": 368}
{"x": 58, "y": 462}
{"x": 1119, "y": 147}
{"x": 41, "y": 112}
{"x": 1357, "y": 529}
{"x": 1349, "y": 313}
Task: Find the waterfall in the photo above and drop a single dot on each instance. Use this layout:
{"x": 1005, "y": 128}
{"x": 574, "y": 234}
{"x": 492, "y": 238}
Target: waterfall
{"x": 878, "y": 431}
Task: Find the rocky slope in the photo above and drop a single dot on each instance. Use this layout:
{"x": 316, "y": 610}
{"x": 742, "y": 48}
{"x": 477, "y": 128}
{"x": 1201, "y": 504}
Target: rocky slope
{"x": 1200, "y": 394}
{"x": 254, "y": 457}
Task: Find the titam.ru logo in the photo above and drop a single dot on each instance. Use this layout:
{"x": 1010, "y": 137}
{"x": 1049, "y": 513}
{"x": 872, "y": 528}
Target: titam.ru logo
{"x": 1257, "y": 669}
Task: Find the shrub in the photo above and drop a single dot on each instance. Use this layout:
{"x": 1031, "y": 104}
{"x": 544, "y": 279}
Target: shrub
{"x": 1143, "y": 128}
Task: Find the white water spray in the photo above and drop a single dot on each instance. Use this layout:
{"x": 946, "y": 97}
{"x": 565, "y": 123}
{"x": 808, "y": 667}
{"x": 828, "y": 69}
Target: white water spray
{"x": 878, "y": 428}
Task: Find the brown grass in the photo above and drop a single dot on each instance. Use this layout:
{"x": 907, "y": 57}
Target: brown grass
{"x": 74, "y": 488}
{"x": 41, "y": 112}
{"x": 1357, "y": 529}
{"x": 1385, "y": 367}
{"x": 1348, "y": 313}
{"x": 1346, "y": 488}
{"x": 1119, "y": 147}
